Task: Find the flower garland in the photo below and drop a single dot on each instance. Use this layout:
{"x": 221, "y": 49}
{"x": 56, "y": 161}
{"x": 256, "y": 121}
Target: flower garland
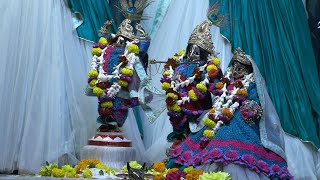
{"x": 229, "y": 96}
{"x": 119, "y": 79}
{"x": 182, "y": 91}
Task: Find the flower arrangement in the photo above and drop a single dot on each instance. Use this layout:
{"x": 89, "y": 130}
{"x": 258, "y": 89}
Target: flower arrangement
{"x": 230, "y": 97}
{"x": 187, "y": 86}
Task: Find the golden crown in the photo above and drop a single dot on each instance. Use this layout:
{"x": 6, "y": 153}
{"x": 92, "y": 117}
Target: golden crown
{"x": 240, "y": 56}
{"x": 201, "y": 36}
{"x": 125, "y": 29}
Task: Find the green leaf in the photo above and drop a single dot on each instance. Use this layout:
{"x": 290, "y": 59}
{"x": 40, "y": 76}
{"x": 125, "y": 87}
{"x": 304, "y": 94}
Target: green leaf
{"x": 101, "y": 172}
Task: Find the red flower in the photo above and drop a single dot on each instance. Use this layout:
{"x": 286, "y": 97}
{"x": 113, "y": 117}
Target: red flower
{"x": 176, "y": 144}
{"x": 213, "y": 73}
{"x": 215, "y": 153}
{"x": 275, "y": 168}
{"x": 248, "y": 159}
{"x": 263, "y": 166}
{"x": 225, "y": 81}
{"x": 231, "y": 155}
{"x": 238, "y": 84}
{"x": 105, "y": 111}
{"x": 171, "y": 62}
{"x": 170, "y": 101}
{"x": 197, "y": 73}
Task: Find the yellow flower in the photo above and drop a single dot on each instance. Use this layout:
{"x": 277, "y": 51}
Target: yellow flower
{"x": 123, "y": 83}
{"x": 194, "y": 175}
{"x": 211, "y": 67}
{"x": 83, "y": 164}
{"x": 175, "y": 58}
{"x": 202, "y": 87}
{"x": 133, "y": 164}
{"x": 215, "y": 61}
{"x": 100, "y": 166}
{"x": 77, "y": 176}
{"x": 208, "y": 133}
{"x": 227, "y": 113}
{"x": 175, "y": 108}
{"x": 96, "y": 51}
{"x": 208, "y": 122}
{"x": 219, "y": 85}
{"x": 127, "y": 72}
{"x": 68, "y": 168}
{"x": 188, "y": 169}
{"x": 87, "y": 173}
{"x": 212, "y": 110}
{"x": 97, "y": 91}
{"x": 165, "y": 73}
{"x": 103, "y": 41}
{"x": 92, "y": 82}
{"x": 173, "y": 96}
{"x": 107, "y": 104}
{"x": 215, "y": 176}
{"x": 165, "y": 86}
{"x": 159, "y": 167}
{"x": 71, "y": 174}
{"x": 58, "y": 172}
{"x": 181, "y": 52}
{"x": 158, "y": 177}
{"x": 93, "y": 73}
{"x": 192, "y": 95}
{"x": 242, "y": 92}
{"x": 133, "y": 49}
{"x": 172, "y": 170}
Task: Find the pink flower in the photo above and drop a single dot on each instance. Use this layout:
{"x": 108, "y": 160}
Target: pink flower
{"x": 215, "y": 153}
{"x": 275, "y": 168}
{"x": 176, "y": 152}
{"x": 248, "y": 159}
{"x": 263, "y": 166}
{"x": 186, "y": 156}
{"x": 230, "y": 88}
{"x": 196, "y": 160}
{"x": 231, "y": 155}
{"x": 178, "y": 160}
{"x": 205, "y": 160}
{"x": 204, "y": 153}
{"x": 175, "y": 175}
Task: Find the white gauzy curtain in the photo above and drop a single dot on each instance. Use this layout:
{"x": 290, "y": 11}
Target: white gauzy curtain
{"x": 44, "y": 113}
{"x": 174, "y": 31}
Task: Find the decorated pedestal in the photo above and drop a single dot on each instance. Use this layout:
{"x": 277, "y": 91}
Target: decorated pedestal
{"x": 112, "y": 148}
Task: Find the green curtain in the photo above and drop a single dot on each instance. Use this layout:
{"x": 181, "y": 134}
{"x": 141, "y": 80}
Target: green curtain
{"x": 93, "y": 14}
{"x": 276, "y": 35}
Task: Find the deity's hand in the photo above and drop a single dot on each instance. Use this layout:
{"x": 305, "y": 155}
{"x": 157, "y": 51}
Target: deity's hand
{"x": 143, "y": 34}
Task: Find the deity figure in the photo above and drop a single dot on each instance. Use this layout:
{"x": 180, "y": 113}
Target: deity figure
{"x": 242, "y": 133}
{"x": 118, "y": 66}
{"x": 187, "y": 78}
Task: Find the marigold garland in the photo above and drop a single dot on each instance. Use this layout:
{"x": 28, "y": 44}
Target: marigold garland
{"x": 201, "y": 87}
{"x": 227, "y": 113}
{"x": 215, "y": 61}
{"x": 127, "y": 72}
{"x": 192, "y": 95}
{"x": 93, "y": 82}
{"x": 132, "y": 48}
{"x": 219, "y": 85}
{"x": 208, "y": 133}
{"x": 242, "y": 92}
{"x": 93, "y": 73}
{"x": 97, "y": 91}
{"x": 96, "y": 51}
{"x": 208, "y": 122}
{"x": 159, "y": 167}
{"x": 212, "y": 67}
{"x": 159, "y": 177}
{"x": 123, "y": 83}
{"x": 103, "y": 41}
{"x": 107, "y": 104}
{"x": 56, "y": 172}
{"x": 165, "y": 86}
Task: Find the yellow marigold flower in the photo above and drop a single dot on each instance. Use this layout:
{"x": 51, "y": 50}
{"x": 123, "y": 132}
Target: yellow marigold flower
{"x": 100, "y": 166}
{"x": 127, "y": 72}
{"x": 96, "y": 51}
{"x": 242, "y": 92}
{"x": 202, "y": 87}
{"x": 165, "y": 73}
{"x": 212, "y": 110}
{"x": 227, "y": 113}
{"x": 215, "y": 175}
{"x": 158, "y": 177}
{"x": 208, "y": 122}
{"x": 107, "y": 104}
{"x": 188, "y": 169}
{"x": 97, "y": 91}
{"x": 211, "y": 67}
{"x": 172, "y": 170}
{"x": 215, "y": 61}
{"x": 133, "y": 164}
{"x": 92, "y": 82}
{"x": 194, "y": 175}
{"x": 175, "y": 58}
{"x": 219, "y": 85}
{"x": 208, "y": 134}
{"x": 165, "y": 86}
{"x": 103, "y": 41}
{"x": 68, "y": 168}
{"x": 173, "y": 96}
{"x": 192, "y": 95}
{"x": 87, "y": 173}
{"x": 159, "y": 167}
{"x": 58, "y": 172}
{"x": 93, "y": 73}
{"x": 175, "y": 108}
{"x": 133, "y": 49}
{"x": 181, "y": 52}
{"x": 123, "y": 83}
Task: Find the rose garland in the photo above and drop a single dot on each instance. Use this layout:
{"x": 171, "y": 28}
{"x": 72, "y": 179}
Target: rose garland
{"x": 229, "y": 97}
{"x": 176, "y": 97}
{"x": 119, "y": 78}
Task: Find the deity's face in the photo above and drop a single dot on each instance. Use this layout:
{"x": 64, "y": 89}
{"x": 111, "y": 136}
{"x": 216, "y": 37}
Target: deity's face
{"x": 121, "y": 42}
{"x": 194, "y": 53}
{"x": 239, "y": 70}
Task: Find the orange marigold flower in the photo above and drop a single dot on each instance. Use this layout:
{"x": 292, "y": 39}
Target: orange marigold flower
{"x": 172, "y": 170}
{"x": 159, "y": 167}
{"x": 219, "y": 85}
{"x": 158, "y": 177}
{"x": 242, "y": 92}
{"x": 194, "y": 175}
{"x": 227, "y": 113}
{"x": 212, "y": 110}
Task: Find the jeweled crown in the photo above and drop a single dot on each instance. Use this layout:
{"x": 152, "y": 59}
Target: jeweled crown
{"x": 201, "y": 36}
{"x": 240, "y": 56}
{"x": 125, "y": 29}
